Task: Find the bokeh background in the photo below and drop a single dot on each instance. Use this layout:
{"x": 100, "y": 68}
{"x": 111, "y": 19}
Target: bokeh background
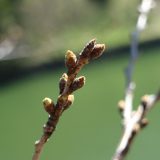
{"x": 34, "y": 36}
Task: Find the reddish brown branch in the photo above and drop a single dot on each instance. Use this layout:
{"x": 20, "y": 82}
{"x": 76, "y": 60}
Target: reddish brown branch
{"x": 133, "y": 121}
{"x": 67, "y": 85}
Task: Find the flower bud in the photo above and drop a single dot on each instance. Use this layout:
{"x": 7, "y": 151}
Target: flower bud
{"x": 136, "y": 128}
{"x": 77, "y": 83}
{"x": 70, "y": 59}
{"x": 121, "y": 105}
{"x": 145, "y": 98}
{"x": 144, "y": 122}
{"x": 70, "y": 101}
{"x": 97, "y": 51}
{"x": 63, "y": 82}
{"x": 144, "y": 101}
{"x": 88, "y": 49}
{"x": 48, "y": 105}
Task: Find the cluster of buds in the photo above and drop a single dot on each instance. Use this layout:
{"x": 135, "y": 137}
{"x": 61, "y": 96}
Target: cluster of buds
{"x": 142, "y": 122}
{"x": 91, "y": 51}
{"x": 68, "y": 84}
{"x": 133, "y": 120}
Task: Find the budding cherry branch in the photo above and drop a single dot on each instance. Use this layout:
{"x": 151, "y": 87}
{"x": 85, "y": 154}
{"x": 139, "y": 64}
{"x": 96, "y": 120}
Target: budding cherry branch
{"x": 68, "y": 83}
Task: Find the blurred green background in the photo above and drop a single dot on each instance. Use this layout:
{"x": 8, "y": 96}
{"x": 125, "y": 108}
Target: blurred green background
{"x": 38, "y": 33}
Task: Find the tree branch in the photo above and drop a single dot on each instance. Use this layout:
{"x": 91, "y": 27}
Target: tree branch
{"x": 67, "y": 85}
{"x": 134, "y": 121}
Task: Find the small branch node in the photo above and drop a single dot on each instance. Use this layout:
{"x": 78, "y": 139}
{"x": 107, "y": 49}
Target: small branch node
{"x": 133, "y": 121}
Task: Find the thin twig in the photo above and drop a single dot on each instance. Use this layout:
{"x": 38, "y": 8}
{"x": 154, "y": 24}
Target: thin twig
{"x": 67, "y": 85}
{"x": 144, "y": 10}
{"x": 133, "y": 123}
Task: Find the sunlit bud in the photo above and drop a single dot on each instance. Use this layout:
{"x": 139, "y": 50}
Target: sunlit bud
{"x": 70, "y": 59}
{"x": 121, "y": 105}
{"x": 63, "y": 82}
{"x": 70, "y": 101}
{"x": 145, "y": 98}
{"x": 48, "y": 105}
{"x": 88, "y": 49}
{"x": 77, "y": 83}
{"x": 136, "y": 128}
{"x": 97, "y": 51}
{"x": 144, "y": 122}
{"x": 144, "y": 101}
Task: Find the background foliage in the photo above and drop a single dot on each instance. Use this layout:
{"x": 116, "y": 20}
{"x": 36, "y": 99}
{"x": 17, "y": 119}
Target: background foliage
{"x": 45, "y": 29}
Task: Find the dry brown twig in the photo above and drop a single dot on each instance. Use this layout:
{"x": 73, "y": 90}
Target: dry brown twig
{"x": 67, "y": 85}
{"x": 133, "y": 121}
